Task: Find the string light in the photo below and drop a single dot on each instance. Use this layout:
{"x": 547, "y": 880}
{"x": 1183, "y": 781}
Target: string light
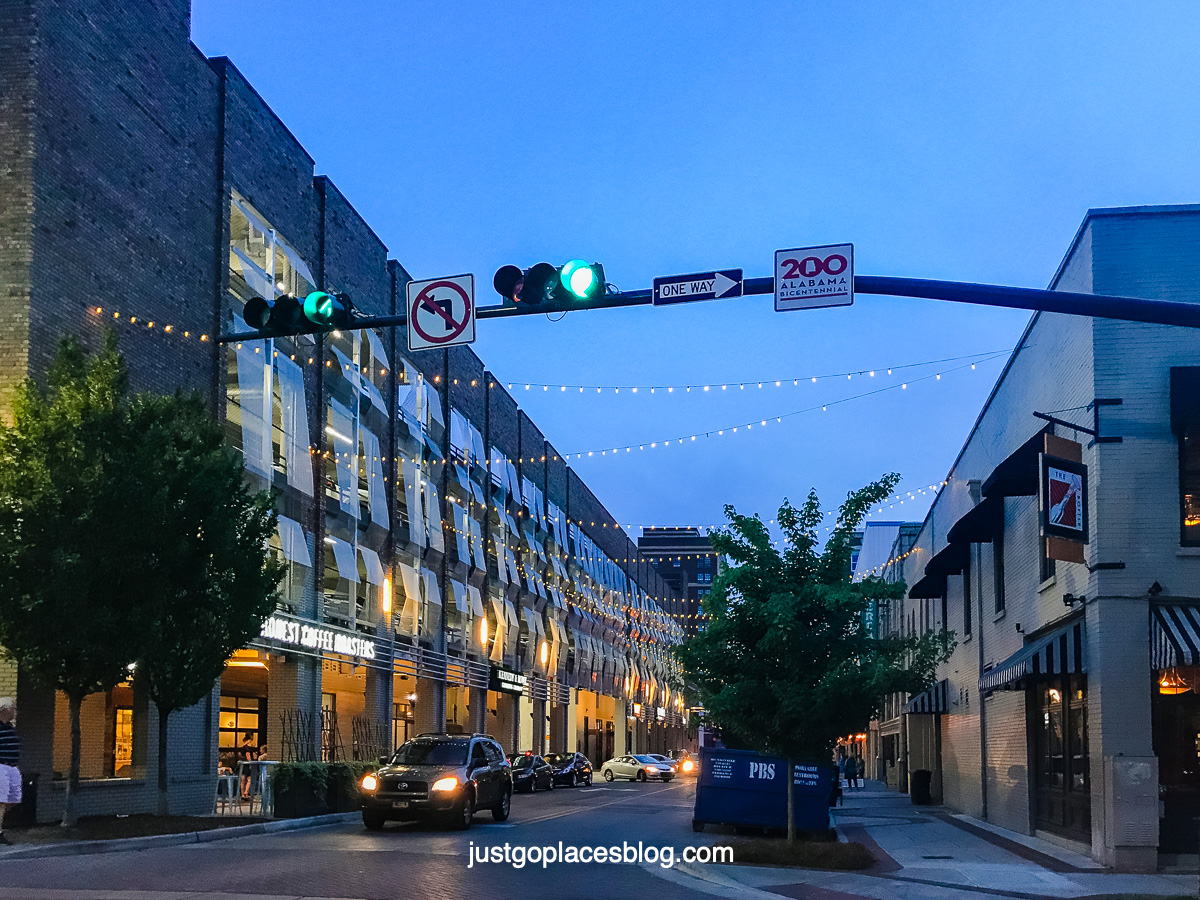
{"x": 719, "y": 432}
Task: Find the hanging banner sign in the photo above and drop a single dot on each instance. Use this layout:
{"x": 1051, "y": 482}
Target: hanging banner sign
{"x": 1064, "y": 499}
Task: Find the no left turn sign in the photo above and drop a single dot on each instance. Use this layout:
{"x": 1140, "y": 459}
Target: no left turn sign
{"x": 441, "y": 312}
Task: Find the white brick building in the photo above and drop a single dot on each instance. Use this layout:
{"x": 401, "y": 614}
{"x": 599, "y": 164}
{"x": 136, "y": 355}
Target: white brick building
{"x": 1050, "y": 718}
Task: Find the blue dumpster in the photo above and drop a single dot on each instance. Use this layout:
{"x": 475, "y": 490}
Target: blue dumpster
{"x": 743, "y": 787}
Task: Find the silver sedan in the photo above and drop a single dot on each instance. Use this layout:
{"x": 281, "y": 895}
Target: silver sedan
{"x": 637, "y": 768}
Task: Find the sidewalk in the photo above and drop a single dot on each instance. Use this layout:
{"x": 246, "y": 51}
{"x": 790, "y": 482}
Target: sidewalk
{"x": 928, "y": 853}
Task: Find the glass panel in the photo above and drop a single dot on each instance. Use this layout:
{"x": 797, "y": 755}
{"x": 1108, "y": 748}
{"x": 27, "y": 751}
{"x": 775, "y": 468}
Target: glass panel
{"x": 1189, "y": 483}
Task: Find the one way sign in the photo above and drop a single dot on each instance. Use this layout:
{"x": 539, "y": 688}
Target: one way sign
{"x": 700, "y": 286}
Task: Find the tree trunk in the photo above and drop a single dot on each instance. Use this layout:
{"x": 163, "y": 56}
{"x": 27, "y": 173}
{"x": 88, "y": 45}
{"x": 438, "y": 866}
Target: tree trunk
{"x": 791, "y": 791}
{"x": 70, "y": 816}
{"x": 163, "y": 799}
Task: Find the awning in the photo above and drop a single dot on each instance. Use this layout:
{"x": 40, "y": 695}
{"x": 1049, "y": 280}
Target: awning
{"x": 980, "y": 524}
{"x": 460, "y": 597}
{"x": 476, "y": 601}
{"x": 1058, "y": 653}
{"x": 931, "y": 587}
{"x": 1174, "y": 635}
{"x": 931, "y": 700}
{"x": 1017, "y": 476}
{"x": 948, "y": 561}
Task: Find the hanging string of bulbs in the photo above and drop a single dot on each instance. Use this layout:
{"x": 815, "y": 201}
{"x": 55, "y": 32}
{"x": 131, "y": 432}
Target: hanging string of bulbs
{"x": 763, "y": 422}
{"x": 790, "y": 381}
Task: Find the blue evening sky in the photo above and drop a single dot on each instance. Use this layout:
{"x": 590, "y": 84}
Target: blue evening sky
{"x": 945, "y": 140}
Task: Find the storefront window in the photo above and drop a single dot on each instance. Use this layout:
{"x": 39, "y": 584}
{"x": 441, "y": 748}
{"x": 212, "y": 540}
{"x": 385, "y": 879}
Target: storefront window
{"x": 1061, "y": 776}
{"x": 1189, "y": 485}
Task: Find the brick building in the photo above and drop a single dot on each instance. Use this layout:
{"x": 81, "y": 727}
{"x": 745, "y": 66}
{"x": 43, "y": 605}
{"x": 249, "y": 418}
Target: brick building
{"x": 446, "y": 569}
{"x": 1068, "y": 708}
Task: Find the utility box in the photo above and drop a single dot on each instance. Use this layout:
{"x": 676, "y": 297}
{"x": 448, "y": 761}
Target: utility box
{"x": 743, "y": 787}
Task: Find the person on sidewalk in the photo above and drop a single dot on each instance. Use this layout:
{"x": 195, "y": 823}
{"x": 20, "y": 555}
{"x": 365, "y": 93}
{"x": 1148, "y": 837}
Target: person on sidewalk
{"x": 10, "y": 756}
{"x": 853, "y": 768}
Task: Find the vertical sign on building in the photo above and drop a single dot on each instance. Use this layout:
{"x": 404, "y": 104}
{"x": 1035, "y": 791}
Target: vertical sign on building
{"x": 1063, "y": 494}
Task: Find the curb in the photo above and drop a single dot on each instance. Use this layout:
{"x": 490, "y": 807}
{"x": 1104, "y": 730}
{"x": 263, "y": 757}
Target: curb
{"x": 150, "y": 842}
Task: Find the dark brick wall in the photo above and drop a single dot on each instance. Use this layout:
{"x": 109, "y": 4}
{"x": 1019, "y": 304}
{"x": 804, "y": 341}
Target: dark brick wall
{"x": 18, "y": 60}
{"x": 503, "y": 414}
{"x": 124, "y": 185}
{"x": 533, "y": 447}
{"x": 469, "y": 398}
{"x": 354, "y": 258}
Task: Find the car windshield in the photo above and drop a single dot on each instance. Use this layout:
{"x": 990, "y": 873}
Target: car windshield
{"x": 558, "y": 759}
{"x": 432, "y": 753}
{"x": 648, "y": 759}
{"x": 521, "y": 762}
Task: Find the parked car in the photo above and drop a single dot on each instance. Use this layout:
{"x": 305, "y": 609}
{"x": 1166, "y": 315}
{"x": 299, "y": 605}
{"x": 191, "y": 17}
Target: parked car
{"x": 530, "y": 772}
{"x": 636, "y": 768}
{"x": 446, "y": 776}
{"x": 570, "y": 769}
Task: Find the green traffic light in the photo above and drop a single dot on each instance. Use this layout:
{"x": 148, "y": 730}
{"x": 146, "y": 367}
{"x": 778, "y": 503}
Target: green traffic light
{"x": 319, "y": 307}
{"x": 579, "y": 278}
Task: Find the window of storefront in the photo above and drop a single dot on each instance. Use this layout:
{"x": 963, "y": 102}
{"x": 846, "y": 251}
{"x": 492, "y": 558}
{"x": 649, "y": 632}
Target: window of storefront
{"x": 1176, "y": 729}
{"x": 1062, "y": 785}
{"x": 1189, "y": 485}
{"x": 240, "y": 726}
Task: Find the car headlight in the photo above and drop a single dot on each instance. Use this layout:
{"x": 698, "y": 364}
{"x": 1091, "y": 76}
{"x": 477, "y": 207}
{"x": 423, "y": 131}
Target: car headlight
{"x": 687, "y": 765}
{"x": 370, "y": 783}
{"x": 651, "y": 768}
{"x": 445, "y": 784}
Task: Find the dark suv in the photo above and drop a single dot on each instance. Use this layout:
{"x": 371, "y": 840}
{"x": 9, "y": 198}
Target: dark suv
{"x": 447, "y": 776}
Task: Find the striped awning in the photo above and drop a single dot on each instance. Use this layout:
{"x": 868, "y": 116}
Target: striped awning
{"x": 1174, "y": 636}
{"x": 1058, "y": 653}
{"x": 931, "y": 700}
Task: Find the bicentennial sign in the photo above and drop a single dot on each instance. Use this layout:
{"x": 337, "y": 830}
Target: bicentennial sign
{"x": 441, "y": 312}
{"x": 701, "y": 286}
{"x": 813, "y": 277}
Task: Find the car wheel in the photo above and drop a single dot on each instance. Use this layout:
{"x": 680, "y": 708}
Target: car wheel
{"x": 501, "y": 810}
{"x": 464, "y": 812}
{"x": 550, "y": 785}
{"x": 641, "y": 775}
{"x": 608, "y": 775}
{"x": 576, "y": 780}
{"x": 373, "y": 820}
{"x": 588, "y": 782}
{"x": 533, "y": 785}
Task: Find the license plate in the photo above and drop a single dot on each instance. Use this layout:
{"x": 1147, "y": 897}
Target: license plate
{"x": 399, "y": 804}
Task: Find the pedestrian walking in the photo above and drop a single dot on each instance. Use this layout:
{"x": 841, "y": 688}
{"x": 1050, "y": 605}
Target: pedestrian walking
{"x": 852, "y": 771}
{"x": 10, "y": 756}
{"x": 841, "y": 769}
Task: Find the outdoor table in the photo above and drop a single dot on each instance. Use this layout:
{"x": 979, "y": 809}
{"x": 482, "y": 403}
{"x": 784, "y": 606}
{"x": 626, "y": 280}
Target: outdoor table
{"x": 258, "y": 771}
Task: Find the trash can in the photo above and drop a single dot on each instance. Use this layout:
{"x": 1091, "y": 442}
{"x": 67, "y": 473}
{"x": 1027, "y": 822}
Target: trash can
{"x": 919, "y": 790}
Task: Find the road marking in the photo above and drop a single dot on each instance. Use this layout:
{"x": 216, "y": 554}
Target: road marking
{"x": 572, "y": 812}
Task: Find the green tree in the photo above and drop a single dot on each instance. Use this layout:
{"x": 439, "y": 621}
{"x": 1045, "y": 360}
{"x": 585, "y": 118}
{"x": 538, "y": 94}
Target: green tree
{"x": 127, "y": 536}
{"x": 70, "y": 566}
{"x": 211, "y": 579}
{"x": 786, "y": 662}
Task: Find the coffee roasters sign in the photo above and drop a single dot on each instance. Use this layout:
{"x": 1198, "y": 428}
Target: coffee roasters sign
{"x": 313, "y": 637}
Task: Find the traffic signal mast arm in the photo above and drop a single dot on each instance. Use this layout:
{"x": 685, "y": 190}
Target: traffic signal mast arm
{"x": 1130, "y": 309}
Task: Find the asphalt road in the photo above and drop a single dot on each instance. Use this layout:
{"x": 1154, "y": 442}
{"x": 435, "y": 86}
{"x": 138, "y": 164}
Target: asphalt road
{"x": 405, "y": 860}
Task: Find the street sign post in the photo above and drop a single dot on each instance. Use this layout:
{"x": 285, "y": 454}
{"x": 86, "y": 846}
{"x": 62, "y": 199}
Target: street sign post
{"x": 701, "y": 286}
{"x": 812, "y": 277}
{"x": 441, "y": 312}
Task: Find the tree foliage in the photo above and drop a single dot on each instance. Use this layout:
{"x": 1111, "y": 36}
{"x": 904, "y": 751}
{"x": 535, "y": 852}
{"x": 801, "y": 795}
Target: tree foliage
{"x": 787, "y": 662}
{"x": 126, "y": 535}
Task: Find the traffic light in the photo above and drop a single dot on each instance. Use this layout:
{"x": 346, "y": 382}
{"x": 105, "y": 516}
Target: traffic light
{"x": 547, "y": 288}
{"x": 318, "y": 312}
